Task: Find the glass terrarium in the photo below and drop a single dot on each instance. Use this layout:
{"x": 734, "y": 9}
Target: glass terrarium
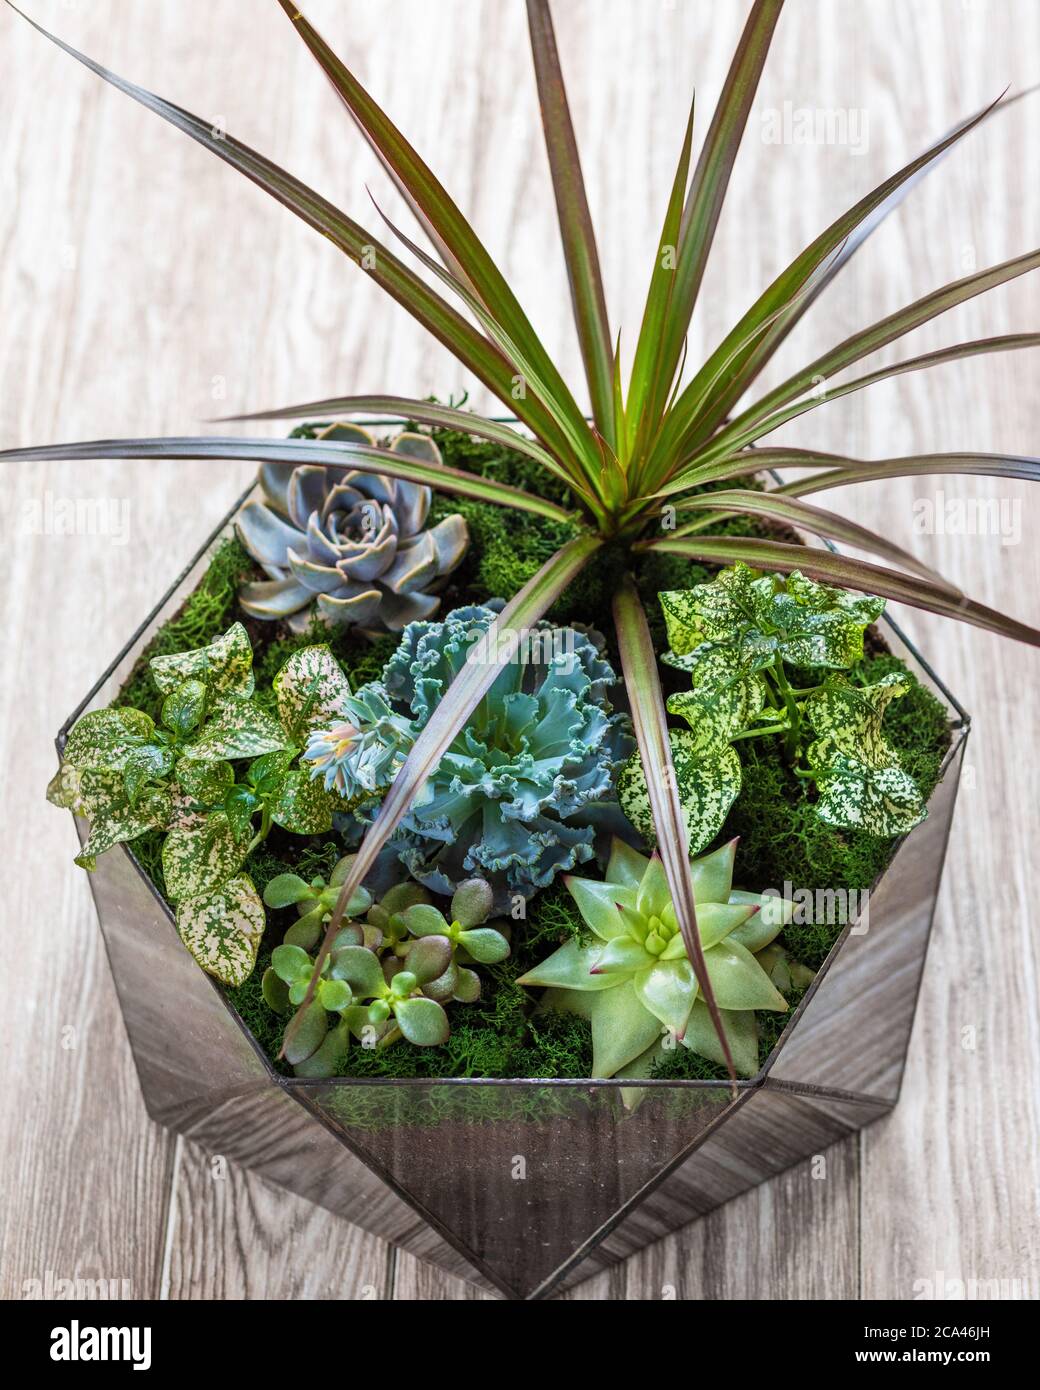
{"x": 524, "y": 1186}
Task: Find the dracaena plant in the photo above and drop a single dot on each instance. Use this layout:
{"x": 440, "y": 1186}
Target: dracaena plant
{"x": 738, "y": 638}
{"x": 652, "y": 441}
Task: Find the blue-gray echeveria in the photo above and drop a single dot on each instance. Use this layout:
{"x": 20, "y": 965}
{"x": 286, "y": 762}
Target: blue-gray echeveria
{"x": 348, "y": 545}
{"x": 635, "y": 983}
{"x": 524, "y": 788}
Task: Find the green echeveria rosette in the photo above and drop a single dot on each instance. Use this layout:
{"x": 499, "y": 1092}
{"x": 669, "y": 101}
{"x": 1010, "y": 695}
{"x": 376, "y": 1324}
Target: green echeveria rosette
{"x": 635, "y": 983}
{"x": 348, "y": 546}
{"x": 528, "y": 784}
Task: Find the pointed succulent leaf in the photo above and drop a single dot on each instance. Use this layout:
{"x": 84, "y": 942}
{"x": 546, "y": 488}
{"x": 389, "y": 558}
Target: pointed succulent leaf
{"x": 361, "y": 969}
{"x": 621, "y": 956}
{"x": 598, "y": 903}
{"x": 310, "y": 689}
{"x": 308, "y": 1033}
{"x": 626, "y": 865}
{"x": 285, "y": 890}
{"x": 622, "y": 1028}
{"x": 741, "y": 1029}
{"x": 275, "y": 991}
{"x": 486, "y": 945}
{"x": 198, "y": 859}
{"x": 222, "y": 929}
{"x": 105, "y": 738}
{"x": 237, "y": 729}
{"x": 718, "y": 921}
{"x": 713, "y": 874}
{"x": 184, "y": 708}
{"x": 225, "y": 666}
{"x": 570, "y": 967}
{"x": 422, "y": 1021}
{"x": 667, "y": 990}
{"x": 301, "y": 805}
{"x": 472, "y": 902}
{"x": 739, "y": 981}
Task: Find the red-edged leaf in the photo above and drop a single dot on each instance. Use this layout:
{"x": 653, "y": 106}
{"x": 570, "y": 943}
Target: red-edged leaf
{"x": 847, "y": 573}
{"x": 639, "y": 665}
{"x": 572, "y": 206}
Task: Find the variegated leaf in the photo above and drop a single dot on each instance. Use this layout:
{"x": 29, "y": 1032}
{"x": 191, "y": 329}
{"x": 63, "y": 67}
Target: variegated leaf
{"x": 238, "y": 729}
{"x": 103, "y": 800}
{"x": 222, "y": 929}
{"x": 225, "y": 666}
{"x": 309, "y": 689}
{"x": 105, "y": 738}
{"x": 197, "y": 859}
{"x": 708, "y": 778}
{"x": 206, "y": 783}
{"x": 302, "y": 805}
{"x": 63, "y": 789}
{"x": 858, "y": 773}
{"x": 150, "y": 763}
{"x": 716, "y": 712}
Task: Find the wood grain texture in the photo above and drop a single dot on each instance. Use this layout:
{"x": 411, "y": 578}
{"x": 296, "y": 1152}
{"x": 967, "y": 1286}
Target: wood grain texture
{"x": 144, "y": 287}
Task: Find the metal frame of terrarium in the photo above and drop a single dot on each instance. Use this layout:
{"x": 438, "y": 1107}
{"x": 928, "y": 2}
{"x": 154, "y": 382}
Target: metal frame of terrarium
{"x": 526, "y": 1185}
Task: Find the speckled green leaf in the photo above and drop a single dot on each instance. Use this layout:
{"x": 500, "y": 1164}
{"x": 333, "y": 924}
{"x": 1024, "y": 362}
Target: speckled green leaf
{"x": 238, "y": 729}
{"x": 105, "y": 738}
{"x": 880, "y": 800}
{"x": 198, "y": 859}
{"x": 149, "y": 763}
{"x": 309, "y": 689}
{"x": 708, "y": 779}
{"x": 103, "y": 800}
{"x": 225, "y": 666}
{"x": 849, "y": 718}
{"x": 302, "y": 805}
{"x": 716, "y": 713}
{"x": 184, "y": 708}
{"x": 208, "y": 783}
{"x": 63, "y": 789}
{"x": 222, "y": 929}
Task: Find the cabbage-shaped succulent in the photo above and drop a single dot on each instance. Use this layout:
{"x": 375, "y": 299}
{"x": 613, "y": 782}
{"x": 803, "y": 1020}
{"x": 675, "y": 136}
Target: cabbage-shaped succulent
{"x": 348, "y": 545}
{"x": 635, "y": 982}
{"x": 524, "y": 788}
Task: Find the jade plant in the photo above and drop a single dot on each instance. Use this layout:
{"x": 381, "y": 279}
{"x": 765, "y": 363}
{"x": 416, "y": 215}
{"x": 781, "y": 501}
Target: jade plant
{"x": 739, "y": 637}
{"x": 388, "y": 977}
{"x": 637, "y": 467}
{"x": 348, "y": 545}
{"x": 216, "y": 774}
{"x": 635, "y": 982}
{"x": 522, "y": 790}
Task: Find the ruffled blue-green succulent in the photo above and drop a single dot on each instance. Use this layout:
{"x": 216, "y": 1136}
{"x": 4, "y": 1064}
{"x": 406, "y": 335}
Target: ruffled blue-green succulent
{"x": 390, "y": 973}
{"x": 522, "y": 791}
{"x": 348, "y": 546}
{"x": 736, "y": 637}
{"x": 635, "y": 983}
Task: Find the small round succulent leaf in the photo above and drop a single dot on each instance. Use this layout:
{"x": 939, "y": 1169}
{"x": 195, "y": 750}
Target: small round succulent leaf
{"x": 472, "y": 902}
{"x": 285, "y": 890}
{"x": 291, "y": 963}
{"x": 429, "y": 957}
{"x": 303, "y": 1039}
{"x": 444, "y": 987}
{"x": 275, "y": 991}
{"x": 335, "y": 995}
{"x": 423, "y": 919}
{"x": 361, "y": 969}
{"x": 485, "y": 945}
{"x": 467, "y": 987}
{"x": 329, "y": 1057}
{"x": 422, "y": 1021}
{"x": 307, "y": 930}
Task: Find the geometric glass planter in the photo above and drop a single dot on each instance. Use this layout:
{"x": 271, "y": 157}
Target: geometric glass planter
{"x": 525, "y": 1186}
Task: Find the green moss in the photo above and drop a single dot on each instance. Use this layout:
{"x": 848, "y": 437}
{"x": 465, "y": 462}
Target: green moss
{"x": 209, "y": 611}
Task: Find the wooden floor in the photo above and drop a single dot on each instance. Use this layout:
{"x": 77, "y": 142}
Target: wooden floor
{"x": 144, "y": 288}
